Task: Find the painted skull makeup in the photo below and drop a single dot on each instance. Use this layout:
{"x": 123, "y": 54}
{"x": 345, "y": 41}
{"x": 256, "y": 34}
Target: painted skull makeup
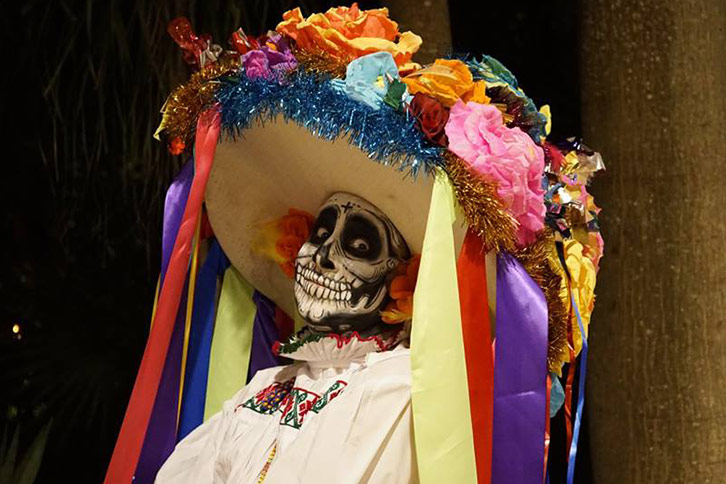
{"x": 342, "y": 270}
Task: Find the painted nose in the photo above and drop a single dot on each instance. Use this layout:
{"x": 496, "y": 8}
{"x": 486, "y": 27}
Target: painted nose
{"x": 322, "y": 257}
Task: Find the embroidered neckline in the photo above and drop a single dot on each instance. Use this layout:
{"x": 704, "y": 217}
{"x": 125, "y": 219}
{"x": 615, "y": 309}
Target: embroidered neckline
{"x": 311, "y": 346}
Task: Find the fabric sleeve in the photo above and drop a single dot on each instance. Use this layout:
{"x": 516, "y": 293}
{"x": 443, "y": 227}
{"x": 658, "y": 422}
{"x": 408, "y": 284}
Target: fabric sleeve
{"x": 194, "y": 458}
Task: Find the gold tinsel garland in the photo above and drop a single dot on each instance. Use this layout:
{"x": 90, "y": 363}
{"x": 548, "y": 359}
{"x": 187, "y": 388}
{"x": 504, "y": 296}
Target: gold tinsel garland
{"x": 184, "y": 105}
{"x": 542, "y": 264}
{"x": 483, "y": 211}
{"x": 320, "y": 63}
{"x": 478, "y": 200}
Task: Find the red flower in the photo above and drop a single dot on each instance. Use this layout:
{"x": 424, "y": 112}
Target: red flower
{"x": 176, "y": 146}
{"x": 294, "y": 229}
{"x": 431, "y": 117}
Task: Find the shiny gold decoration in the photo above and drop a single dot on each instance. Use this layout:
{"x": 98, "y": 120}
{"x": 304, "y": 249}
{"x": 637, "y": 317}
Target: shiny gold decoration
{"x": 542, "y": 264}
{"x": 184, "y": 105}
{"x": 320, "y": 63}
{"x": 478, "y": 200}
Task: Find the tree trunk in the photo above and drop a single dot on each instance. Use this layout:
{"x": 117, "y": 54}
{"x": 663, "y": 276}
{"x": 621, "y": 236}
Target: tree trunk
{"x": 654, "y": 103}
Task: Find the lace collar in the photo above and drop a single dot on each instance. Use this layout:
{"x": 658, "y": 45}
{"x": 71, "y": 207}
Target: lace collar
{"x": 310, "y": 346}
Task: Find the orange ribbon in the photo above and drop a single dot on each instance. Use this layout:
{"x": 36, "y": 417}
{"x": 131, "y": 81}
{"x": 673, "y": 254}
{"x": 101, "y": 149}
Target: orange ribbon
{"x": 471, "y": 270}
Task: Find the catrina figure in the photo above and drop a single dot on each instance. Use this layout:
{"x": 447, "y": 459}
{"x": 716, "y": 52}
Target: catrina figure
{"x": 373, "y": 271}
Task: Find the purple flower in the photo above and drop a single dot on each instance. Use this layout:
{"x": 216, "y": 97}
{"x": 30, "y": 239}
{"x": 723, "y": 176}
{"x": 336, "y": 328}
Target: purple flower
{"x": 271, "y": 61}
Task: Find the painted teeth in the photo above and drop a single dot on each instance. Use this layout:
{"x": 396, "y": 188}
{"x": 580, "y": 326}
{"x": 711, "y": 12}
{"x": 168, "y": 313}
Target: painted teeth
{"x": 321, "y": 287}
{"x": 330, "y": 288}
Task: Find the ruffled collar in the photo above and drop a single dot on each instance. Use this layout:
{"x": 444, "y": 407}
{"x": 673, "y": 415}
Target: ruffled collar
{"x": 307, "y": 345}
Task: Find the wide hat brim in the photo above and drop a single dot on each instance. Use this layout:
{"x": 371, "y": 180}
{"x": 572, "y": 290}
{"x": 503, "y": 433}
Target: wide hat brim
{"x": 279, "y": 165}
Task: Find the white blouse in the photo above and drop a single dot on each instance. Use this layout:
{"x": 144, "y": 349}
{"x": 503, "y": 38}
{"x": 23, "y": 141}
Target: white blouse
{"x": 341, "y": 413}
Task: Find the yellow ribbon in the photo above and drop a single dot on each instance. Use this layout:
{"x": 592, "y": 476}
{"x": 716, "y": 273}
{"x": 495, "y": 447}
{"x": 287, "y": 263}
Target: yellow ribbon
{"x": 229, "y": 359}
{"x": 439, "y": 389}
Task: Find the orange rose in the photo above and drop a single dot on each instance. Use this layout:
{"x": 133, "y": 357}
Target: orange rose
{"x": 448, "y": 80}
{"x": 401, "y": 290}
{"x": 348, "y": 33}
{"x": 296, "y": 222}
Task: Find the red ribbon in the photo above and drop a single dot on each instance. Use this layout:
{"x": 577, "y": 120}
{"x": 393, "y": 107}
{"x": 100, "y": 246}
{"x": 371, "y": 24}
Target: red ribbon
{"x": 547, "y": 428}
{"x": 476, "y": 330}
{"x": 133, "y": 429}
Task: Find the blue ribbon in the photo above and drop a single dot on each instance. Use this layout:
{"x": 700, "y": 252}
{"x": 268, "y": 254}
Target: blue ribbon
{"x": 200, "y": 341}
{"x": 580, "y": 396}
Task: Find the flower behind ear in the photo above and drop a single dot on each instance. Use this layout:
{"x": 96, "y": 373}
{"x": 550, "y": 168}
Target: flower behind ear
{"x": 282, "y": 238}
{"x": 401, "y": 290}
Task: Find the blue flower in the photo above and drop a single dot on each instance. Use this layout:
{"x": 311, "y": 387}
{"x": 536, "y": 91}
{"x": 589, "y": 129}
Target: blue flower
{"x": 367, "y": 78}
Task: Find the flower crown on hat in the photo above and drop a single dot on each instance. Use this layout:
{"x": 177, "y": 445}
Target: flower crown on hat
{"x": 349, "y": 73}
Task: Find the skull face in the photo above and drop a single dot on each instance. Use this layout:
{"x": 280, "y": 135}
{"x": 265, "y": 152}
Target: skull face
{"x": 342, "y": 270}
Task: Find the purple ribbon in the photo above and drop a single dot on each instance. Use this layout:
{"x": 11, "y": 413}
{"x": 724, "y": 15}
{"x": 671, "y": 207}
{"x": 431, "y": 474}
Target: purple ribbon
{"x": 176, "y": 200}
{"x": 161, "y": 432}
{"x": 520, "y": 377}
{"x": 264, "y": 335}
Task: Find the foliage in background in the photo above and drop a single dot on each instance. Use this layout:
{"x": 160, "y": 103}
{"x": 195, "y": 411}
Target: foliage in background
{"x": 21, "y": 469}
{"x": 82, "y": 190}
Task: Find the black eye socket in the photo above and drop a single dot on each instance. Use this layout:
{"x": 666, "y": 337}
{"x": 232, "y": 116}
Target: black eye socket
{"x": 360, "y": 245}
{"x": 361, "y": 238}
{"x": 324, "y": 225}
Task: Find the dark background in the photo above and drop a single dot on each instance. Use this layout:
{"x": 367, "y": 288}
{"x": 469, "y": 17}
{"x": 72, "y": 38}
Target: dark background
{"x": 83, "y": 184}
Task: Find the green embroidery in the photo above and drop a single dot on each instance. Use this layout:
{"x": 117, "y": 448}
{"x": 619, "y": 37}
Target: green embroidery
{"x": 295, "y": 341}
{"x": 297, "y": 404}
{"x": 292, "y": 402}
{"x": 329, "y": 394}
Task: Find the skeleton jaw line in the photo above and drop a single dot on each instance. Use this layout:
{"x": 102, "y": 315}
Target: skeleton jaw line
{"x": 318, "y": 301}
{"x": 319, "y": 286}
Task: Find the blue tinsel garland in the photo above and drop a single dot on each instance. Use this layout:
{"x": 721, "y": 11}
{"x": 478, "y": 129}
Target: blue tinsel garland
{"x": 385, "y": 135}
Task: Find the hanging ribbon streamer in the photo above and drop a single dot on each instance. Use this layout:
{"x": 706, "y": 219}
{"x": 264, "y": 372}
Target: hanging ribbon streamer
{"x": 176, "y": 200}
{"x": 189, "y": 310}
{"x": 580, "y": 396}
{"x": 439, "y": 390}
{"x": 569, "y": 381}
{"x": 520, "y": 376}
{"x": 472, "y": 278}
{"x": 232, "y": 341}
{"x": 161, "y": 432}
{"x": 264, "y": 335}
{"x": 133, "y": 429}
{"x": 548, "y": 412}
{"x": 200, "y": 340}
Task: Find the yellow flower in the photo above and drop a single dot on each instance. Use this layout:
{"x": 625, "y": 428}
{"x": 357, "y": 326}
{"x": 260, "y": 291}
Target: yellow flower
{"x": 448, "y": 80}
{"x": 583, "y": 274}
{"x": 348, "y": 33}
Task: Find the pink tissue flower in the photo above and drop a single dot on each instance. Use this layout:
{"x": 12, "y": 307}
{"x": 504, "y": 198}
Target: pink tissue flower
{"x": 508, "y": 156}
